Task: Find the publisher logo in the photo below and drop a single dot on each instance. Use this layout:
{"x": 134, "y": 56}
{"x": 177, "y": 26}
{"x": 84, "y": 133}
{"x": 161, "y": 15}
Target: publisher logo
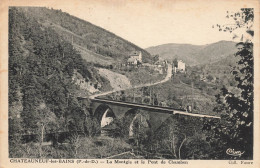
{"x": 232, "y": 152}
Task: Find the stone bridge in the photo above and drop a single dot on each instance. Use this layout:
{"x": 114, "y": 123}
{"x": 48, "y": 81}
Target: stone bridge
{"x": 154, "y": 116}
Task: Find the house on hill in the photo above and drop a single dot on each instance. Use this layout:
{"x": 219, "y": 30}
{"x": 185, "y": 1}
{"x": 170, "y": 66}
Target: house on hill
{"x": 180, "y": 66}
{"x": 136, "y": 55}
{"x": 135, "y": 58}
{"x": 132, "y": 61}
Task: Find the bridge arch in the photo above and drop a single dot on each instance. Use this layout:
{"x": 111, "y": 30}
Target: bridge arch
{"x": 104, "y": 114}
{"x": 136, "y": 118}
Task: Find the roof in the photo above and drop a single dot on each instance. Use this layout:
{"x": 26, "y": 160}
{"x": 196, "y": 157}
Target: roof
{"x": 134, "y": 53}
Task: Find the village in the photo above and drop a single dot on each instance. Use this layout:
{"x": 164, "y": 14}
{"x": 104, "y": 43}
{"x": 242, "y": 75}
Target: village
{"x": 135, "y": 60}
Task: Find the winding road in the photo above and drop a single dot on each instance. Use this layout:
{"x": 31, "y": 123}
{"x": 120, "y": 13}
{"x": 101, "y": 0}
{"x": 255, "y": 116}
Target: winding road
{"x": 150, "y": 107}
{"x": 167, "y": 77}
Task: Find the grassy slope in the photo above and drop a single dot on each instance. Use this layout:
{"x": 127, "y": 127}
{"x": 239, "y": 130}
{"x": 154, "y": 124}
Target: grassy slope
{"x": 117, "y": 81}
{"x": 91, "y": 56}
{"x": 85, "y": 34}
{"x": 142, "y": 75}
{"x": 176, "y": 93}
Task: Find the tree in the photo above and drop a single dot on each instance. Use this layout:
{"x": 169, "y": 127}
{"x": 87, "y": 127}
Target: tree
{"x": 15, "y": 129}
{"x": 140, "y": 129}
{"x": 175, "y": 62}
{"x": 75, "y": 143}
{"x": 155, "y": 58}
{"x": 235, "y": 130}
{"x": 46, "y": 122}
{"x": 196, "y": 147}
{"x": 210, "y": 77}
{"x": 180, "y": 136}
{"x": 119, "y": 128}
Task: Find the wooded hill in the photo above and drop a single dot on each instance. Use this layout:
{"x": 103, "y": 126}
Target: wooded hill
{"x": 42, "y": 94}
{"x": 195, "y": 54}
{"x": 95, "y": 43}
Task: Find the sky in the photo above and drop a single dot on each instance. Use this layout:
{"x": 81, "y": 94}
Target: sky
{"x": 150, "y": 23}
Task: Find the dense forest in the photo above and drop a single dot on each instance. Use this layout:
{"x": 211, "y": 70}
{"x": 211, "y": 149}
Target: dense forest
{"x": 42, "y": 95}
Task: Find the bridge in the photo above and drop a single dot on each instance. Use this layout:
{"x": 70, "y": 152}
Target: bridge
{"x": 105, "y": 110}
{"x": 150, "y": 108}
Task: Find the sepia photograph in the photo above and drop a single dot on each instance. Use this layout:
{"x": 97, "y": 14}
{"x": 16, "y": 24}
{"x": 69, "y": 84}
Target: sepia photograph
{"x": 132, "y": 80}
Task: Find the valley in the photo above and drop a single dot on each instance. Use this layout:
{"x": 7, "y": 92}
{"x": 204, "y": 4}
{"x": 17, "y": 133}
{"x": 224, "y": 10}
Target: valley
{"x": 79, "y": 91}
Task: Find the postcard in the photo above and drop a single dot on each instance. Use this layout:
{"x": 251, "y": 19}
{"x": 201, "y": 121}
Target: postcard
{"x": 129, "y": 83}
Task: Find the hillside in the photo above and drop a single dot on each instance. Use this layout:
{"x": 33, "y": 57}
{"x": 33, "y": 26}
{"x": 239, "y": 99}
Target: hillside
{"x": 46, "y": 74}
{"x": 117, "y": 81}
{"x": 194, "y": 54}
{"x": 219, "y": 70}
{"x": 92, "y": 41}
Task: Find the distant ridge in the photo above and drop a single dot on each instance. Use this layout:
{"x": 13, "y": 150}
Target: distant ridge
{"x": 194, "y": 54}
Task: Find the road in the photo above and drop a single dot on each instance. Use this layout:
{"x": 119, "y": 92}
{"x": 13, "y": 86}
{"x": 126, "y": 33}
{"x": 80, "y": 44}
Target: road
{"x": 167, "y": 77}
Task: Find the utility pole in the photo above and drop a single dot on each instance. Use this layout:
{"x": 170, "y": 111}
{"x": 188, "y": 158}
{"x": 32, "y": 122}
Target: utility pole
{"x": 153, "y": 97}
{"x": 150, "y": 95}
{"x": 142, "y": 95}
{"x": 134, "y": 95}
{"x": 192, "y": 103}
{"x": 157, "y": 98}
